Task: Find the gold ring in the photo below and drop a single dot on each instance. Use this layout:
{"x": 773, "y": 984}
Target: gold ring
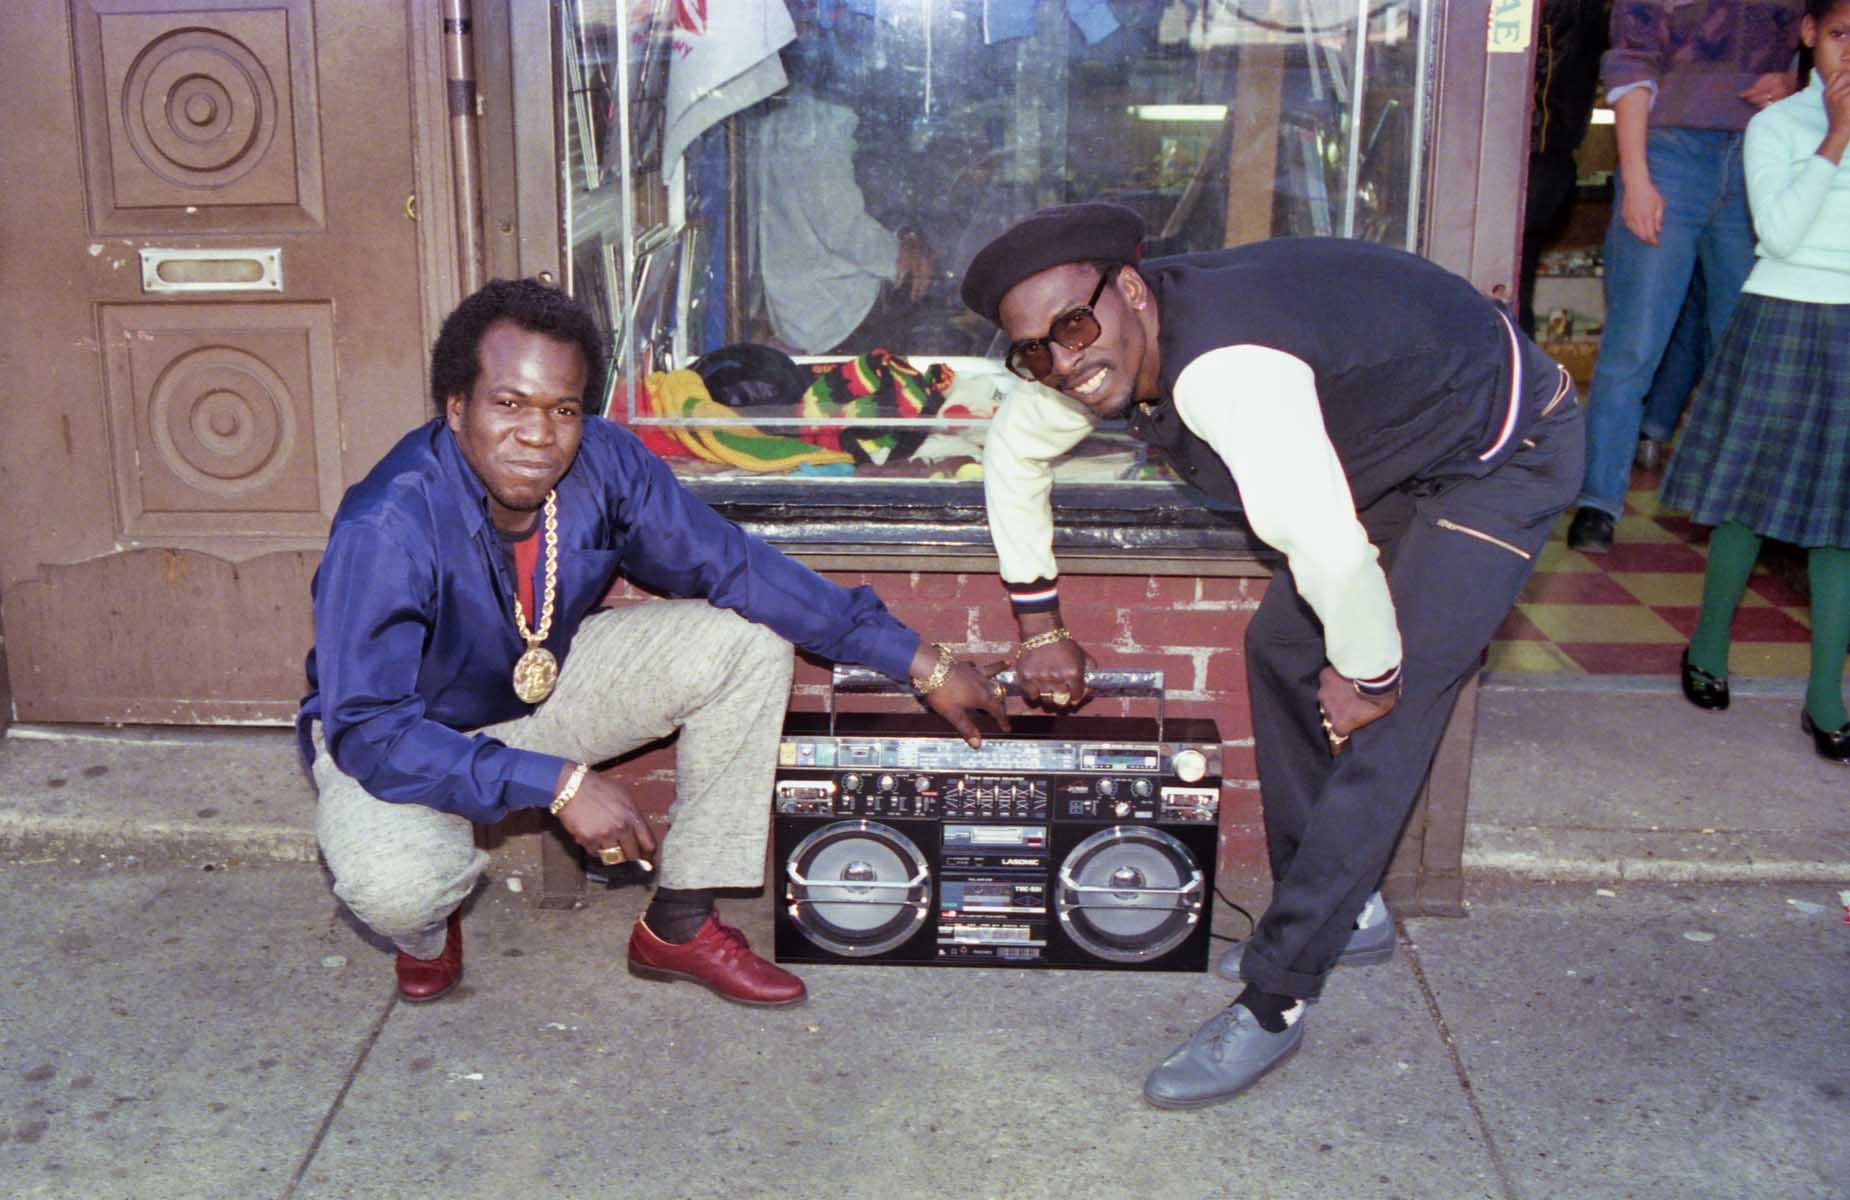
{"x": 611, "y": 855}
{"x": 1000, "y": 690}
{"x": 1059, "y": 699}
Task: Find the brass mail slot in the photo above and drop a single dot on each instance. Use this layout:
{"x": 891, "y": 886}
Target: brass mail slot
{"x": 168, "y": 270}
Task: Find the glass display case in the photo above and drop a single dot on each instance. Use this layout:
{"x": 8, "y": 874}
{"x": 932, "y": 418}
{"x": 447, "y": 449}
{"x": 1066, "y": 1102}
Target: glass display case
{"x": 772, "y": 204}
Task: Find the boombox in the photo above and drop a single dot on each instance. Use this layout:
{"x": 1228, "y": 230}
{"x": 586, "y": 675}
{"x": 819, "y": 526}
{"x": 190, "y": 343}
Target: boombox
{"x": 1068, "y": 842}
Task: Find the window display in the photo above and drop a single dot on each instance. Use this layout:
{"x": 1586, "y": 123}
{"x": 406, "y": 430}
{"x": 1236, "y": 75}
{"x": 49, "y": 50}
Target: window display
{"x": 774, "y": 202}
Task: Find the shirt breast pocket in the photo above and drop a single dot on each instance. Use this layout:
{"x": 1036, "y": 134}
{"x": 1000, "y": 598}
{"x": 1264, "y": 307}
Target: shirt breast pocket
{"x": 586, "y": 577}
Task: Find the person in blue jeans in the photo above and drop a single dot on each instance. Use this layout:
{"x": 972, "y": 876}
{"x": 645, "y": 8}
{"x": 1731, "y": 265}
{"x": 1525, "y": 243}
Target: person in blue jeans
{"x": 1683, "y": 79}
{"x": 1677, "y": 375}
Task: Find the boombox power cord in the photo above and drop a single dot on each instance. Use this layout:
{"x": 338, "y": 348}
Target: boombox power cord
{"x": 1250, "y": 923}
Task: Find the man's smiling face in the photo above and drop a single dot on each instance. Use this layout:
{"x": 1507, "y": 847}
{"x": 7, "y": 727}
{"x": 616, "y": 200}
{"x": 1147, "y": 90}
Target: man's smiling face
{"x": 1103, "y": 377}
{"x": 519, "y": 427}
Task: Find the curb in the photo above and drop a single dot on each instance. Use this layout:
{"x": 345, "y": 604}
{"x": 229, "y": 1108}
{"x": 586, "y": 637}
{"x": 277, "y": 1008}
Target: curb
{"x": 1624, "y": 869}
{"x": 85, "y": 838}
{"x": 73, "y": 838}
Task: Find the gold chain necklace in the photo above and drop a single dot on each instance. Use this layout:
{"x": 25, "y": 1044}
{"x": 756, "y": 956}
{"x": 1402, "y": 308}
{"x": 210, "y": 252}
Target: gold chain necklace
{"x": 537, "y": 670}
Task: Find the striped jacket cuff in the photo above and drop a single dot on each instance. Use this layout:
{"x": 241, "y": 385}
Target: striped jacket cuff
{"x": 1380, "y": 685}
{"x": 1039, "y": 595}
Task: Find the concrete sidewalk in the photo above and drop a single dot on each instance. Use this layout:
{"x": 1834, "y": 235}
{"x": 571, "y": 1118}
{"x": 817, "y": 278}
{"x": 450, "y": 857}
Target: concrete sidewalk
{"x": 168, "y": 1032}
{"x": 1647, "y": 1000}
{"x": 1622, "y": 779}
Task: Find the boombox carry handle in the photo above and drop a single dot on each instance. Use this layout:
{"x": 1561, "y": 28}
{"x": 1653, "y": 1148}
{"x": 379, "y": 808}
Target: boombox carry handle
{"x": 1140, "y": 682}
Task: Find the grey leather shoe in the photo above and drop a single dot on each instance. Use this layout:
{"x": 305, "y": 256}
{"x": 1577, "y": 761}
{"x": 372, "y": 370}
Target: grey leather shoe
{"x": 1228, "y": 1054}
{"x": 1370, "y": 944}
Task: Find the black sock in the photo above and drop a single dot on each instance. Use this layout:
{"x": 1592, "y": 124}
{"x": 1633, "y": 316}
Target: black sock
{"x": 1270, "y": 1009}
{"x": 676, "y": 914}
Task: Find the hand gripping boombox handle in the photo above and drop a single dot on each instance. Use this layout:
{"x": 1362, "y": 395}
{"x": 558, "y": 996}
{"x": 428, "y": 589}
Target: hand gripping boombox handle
{"x": 1146, "y": 682}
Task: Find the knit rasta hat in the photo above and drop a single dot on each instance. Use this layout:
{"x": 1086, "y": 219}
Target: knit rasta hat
{"x": 1095, "y": 231}
{"x": 873, "y": 386}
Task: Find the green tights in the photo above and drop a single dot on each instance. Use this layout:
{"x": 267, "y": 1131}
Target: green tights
{"x": 1733, "y": 548}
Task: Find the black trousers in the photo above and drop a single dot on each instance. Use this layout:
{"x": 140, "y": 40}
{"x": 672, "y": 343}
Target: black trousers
{"x": 1455, "y": 560}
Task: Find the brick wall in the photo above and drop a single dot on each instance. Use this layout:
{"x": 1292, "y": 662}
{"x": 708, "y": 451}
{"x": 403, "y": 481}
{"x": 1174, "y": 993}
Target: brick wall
{"x": 1189, "y": 627}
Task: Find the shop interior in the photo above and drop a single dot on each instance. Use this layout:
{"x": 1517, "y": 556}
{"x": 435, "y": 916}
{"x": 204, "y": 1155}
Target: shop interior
{"x": 779, "y": 258}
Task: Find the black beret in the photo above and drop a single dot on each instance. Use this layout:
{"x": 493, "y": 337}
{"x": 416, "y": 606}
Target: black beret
{"x": 1096, "y": 231}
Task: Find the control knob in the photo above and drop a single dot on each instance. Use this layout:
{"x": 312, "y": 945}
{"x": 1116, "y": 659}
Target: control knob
{"x": 1121, "y": 809}
{"x": 1190, "y": 765}
{"x": 1107, "y": 787}
{"x": 886, "y": 783}
{"x": 851, "y": 782}
{"x": 1140, "y": 787}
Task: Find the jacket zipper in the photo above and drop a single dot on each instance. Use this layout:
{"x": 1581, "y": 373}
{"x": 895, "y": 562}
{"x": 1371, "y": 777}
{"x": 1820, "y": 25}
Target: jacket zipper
{"x": 1455, "y": 527}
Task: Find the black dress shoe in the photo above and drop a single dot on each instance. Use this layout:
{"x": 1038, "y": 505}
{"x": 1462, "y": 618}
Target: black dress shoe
{"x": 1833, "y": 746}
{"x": 1703, "y": 689}
{"x": 1590, "y": 532}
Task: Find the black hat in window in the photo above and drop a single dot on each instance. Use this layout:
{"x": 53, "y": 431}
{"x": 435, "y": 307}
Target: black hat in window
{"x": 746, "y": 375}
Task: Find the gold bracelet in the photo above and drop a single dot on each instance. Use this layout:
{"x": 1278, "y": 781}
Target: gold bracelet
{"x": 946, "y": 662}
{"x": 570, "y": 789}
{"x": 1059, "y": 633}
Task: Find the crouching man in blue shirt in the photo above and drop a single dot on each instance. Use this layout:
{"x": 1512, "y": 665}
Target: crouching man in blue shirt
{"x": 462, "y": 668}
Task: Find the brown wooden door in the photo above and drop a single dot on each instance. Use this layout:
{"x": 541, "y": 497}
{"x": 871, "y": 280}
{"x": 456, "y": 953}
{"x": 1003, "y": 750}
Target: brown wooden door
{"x": 177, "y": 428}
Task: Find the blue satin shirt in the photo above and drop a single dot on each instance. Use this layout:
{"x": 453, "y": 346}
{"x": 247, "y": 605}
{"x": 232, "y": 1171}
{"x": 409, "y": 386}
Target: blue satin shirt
{"x": 414, "y": 629}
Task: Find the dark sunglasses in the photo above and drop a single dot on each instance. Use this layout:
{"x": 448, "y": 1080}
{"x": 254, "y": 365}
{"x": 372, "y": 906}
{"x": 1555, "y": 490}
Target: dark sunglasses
{"x": 1076, "y": 328}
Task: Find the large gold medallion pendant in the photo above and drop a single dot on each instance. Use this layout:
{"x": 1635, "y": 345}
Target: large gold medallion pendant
{"x": 534, "y": 674}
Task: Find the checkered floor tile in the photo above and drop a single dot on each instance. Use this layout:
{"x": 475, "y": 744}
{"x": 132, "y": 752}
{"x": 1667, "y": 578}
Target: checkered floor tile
{"x": 1630, "y": 612}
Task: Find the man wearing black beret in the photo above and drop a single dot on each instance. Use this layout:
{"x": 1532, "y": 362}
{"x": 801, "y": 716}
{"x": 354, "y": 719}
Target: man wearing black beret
{"x": 1387, "y": 430}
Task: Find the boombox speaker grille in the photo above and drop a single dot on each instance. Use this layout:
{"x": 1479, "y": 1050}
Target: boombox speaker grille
{"x": 858, "y": 887}
{"x": 1129, "y": 893}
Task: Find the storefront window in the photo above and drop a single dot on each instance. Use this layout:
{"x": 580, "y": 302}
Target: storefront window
{"x": 773, "y": 203}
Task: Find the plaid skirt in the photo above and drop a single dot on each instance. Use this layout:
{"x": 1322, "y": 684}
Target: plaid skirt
{"x": 1767, "y": 441}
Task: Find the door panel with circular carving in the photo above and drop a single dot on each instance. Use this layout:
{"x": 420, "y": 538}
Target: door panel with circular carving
{"x": 208, "y": 110}
{"x": 214, "y": 325}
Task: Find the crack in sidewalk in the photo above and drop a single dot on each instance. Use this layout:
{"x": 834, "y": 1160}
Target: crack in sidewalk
{"x": 1458, "y": 1068}
{"x": 340, "y": 1098}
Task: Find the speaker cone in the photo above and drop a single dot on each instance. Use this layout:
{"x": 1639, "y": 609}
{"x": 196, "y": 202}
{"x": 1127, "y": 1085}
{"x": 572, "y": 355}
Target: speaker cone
{"x": 857, "y": 887}
{"x": 1129, "y": 894}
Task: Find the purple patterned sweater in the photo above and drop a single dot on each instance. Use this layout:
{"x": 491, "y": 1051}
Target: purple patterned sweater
{"x": 1699, "y": 55}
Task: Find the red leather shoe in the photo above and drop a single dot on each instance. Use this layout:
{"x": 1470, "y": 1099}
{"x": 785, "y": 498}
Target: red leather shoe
{"x": 719, "y": 960}
{"x": 421, "y": 981}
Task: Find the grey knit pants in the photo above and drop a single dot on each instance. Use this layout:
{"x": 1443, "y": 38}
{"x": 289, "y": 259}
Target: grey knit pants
{"x": 633, "y": 675}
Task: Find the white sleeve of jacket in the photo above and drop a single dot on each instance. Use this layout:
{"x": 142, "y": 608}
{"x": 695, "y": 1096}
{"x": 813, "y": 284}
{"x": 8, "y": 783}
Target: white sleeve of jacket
{"x": 1033, "y": 428}
{"x": 1258, "y": 408}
